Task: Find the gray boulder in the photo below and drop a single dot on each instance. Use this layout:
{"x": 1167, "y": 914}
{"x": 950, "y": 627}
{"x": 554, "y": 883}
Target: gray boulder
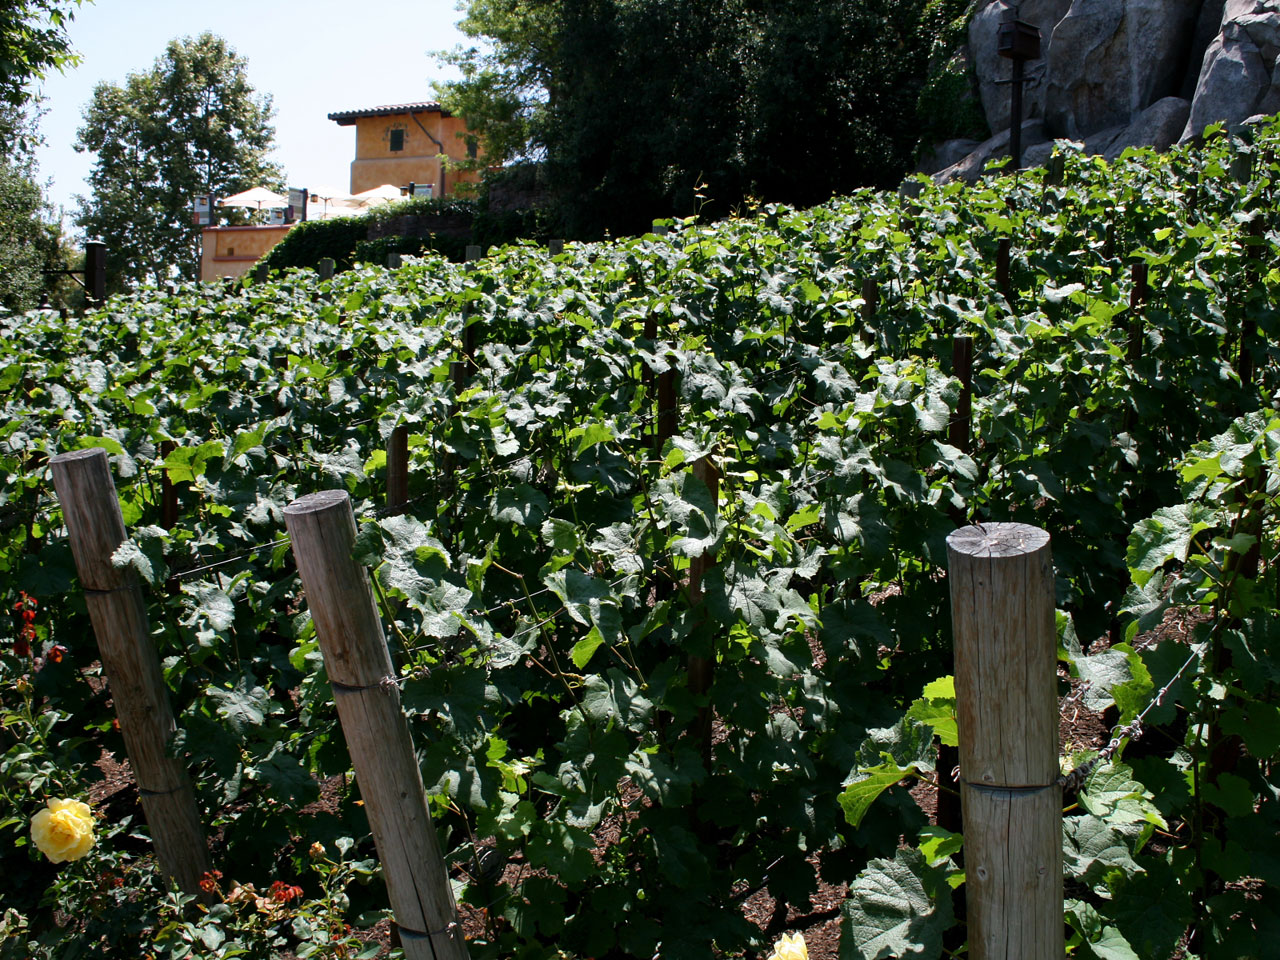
{"x": 1236, "y": 76}
{"x": 1108, "y": 60}
{"x": 1158, "y": 126}
{"x": 970, "y": 168}
{"x": 992, "y": 69}
{"x": 945, "y": 154}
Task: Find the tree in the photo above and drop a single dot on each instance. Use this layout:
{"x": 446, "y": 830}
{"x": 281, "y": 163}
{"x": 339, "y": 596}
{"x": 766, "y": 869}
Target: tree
{"x": 33, "y": 40}
{"x": 191, "y": 125}
{"x": 645, "y": 108}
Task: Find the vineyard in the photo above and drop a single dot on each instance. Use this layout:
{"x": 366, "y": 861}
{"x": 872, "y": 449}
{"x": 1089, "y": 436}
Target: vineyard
{"x": 658, "y": 537}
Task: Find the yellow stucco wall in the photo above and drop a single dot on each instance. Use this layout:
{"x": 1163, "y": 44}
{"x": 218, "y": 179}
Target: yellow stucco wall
{"x": 419, "y": 162}
{"x": 232, "y": 251}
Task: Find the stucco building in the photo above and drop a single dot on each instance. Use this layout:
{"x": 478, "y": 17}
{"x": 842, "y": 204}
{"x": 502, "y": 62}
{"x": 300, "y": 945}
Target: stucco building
{"x": 232, "y": 251}
{"x": 403, "y": 143}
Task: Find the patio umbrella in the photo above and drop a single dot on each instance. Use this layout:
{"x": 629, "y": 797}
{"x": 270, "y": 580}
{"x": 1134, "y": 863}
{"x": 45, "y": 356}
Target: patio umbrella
{"x": 255, "y": 199}
{"x": 376, "y": 195}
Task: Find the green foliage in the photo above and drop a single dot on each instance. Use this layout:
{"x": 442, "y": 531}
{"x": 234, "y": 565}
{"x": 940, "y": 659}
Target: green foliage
{"x": 25, "y": 237}
{"x": 33, "y": 40}
{"x": 948, "y": 106}
{"x": 190, "y": 125}
{"x": 535, "y": 587}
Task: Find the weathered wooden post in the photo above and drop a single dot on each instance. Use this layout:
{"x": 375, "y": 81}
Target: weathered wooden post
{"x": 702, "y": 668}
{"x": 1248, "y": 329}
{"x": 1001, "y": 577}
{"x": 1137, "y": 298}
{"x": 555, "y": 247}
{"x": 398, "y": 467}
{"x": 340, "y": 597}
{"x": 260, "y": 273}
{"x": 168, "y": 492}
{"x": 118, "y": 611}
{"x": 666, "y": 424}
{"x": 1004, "y": 247}
{"x": 960, "y": 429}
{"x": 324, "y": 269}
{"x": 870, "y": 303}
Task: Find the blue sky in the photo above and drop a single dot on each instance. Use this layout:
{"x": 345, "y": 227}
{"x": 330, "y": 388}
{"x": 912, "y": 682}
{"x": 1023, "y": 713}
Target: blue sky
{"x": 312, "y": 56}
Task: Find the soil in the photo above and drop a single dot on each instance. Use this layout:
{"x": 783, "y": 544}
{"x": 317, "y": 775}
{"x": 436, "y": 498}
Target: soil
{"x": 1079, "y": 729}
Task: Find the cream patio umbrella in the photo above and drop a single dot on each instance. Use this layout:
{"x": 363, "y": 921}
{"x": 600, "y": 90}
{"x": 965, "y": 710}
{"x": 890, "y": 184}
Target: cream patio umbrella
{"x": 376, "y": 195}
{"x": 255, "y": 199}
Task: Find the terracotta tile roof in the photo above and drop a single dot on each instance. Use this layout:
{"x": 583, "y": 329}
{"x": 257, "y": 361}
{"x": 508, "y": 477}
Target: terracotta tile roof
{"x": 346, "y": 118}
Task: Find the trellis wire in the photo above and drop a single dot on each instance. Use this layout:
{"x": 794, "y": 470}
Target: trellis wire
{"x": 1132, "y": 730}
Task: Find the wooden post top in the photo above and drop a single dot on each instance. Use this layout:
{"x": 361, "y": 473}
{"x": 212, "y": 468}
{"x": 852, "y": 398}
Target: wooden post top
{"x": 88, "y": 453}
{"x": 997, "y": 540}
{"x": 319, "y": 502}
{"x": 91, "y": 511}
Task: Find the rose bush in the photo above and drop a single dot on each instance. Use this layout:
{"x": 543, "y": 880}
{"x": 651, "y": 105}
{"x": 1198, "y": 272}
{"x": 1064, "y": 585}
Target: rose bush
{"x": 63, "y": 831}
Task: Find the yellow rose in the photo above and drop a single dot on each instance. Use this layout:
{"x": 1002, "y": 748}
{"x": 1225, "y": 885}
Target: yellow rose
{"x": 790, "y": 947}
{"x": 64, "y": 831}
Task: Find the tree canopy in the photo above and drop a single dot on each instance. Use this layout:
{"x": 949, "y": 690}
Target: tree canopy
{"x": 644, "y": 108}
{"x": 33, "y": 40}
{"x": 190, "y": 125}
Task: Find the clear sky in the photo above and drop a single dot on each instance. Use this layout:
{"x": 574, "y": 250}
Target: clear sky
{"x": 312, "y": 56}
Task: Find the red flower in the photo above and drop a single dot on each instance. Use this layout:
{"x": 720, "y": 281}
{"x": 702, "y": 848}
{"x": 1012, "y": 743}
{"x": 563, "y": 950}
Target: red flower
{"x": 209, "y": 882}
{"x": 282, "y": 892}
{"x": 57, "y": 652}
{"x": 27, "y": 634}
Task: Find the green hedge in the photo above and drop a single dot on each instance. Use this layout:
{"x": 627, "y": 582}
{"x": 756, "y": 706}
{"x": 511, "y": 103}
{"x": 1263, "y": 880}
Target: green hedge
{"x": 308, "y": 243}
{"x": 346, "y": 239}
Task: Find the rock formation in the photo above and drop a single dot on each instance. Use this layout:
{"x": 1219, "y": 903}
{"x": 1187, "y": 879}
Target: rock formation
{"x": 1121, "y": 73}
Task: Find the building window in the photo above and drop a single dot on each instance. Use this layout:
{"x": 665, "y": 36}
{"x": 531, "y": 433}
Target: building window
{"x": 473, "y": 147}
{"x": 397, "y": 141}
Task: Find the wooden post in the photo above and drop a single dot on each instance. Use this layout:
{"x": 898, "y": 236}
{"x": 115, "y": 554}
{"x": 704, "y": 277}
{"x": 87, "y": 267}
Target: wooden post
{"x": 323, "y": 528}
{"x": 1003, "y": 249}
{"x": 118, "y": 611}
{"x": 1137, "y": 298}
{"x": 398, "y": 468}
{"x": 666, "y": 425}
{"x": 168, "y": 492}
{"x": 260, "y": 273}
{"x": 960, "y": 429}
{"x": 394, "y": 261}
{"x": 1055, "y": 170}
{"x": 1001, "y": 577}
{"x": 702, "y": 669}
{"x": 870, "y": 302}
{"x": 458, "y": 368}
{"x": 324, "y": 269}
{"x": 1249, "y": 330}
{"x": 555, "y": 247}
